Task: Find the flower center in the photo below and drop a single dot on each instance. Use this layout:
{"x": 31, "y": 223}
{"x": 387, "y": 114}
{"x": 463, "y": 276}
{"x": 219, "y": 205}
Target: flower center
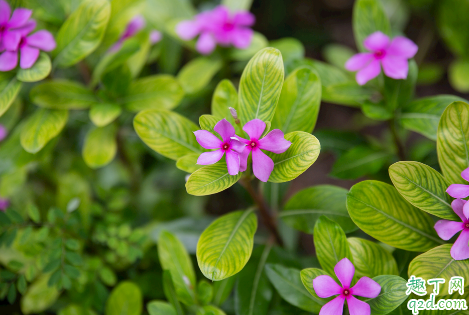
{"x": 228, "y": 26}
{"x": 380, "y": 54}
{"x": 346, "y": 292}
{"x": 467, "y": 225}
{"x": 225, "y": 146}
{"x": 253, "y": 144}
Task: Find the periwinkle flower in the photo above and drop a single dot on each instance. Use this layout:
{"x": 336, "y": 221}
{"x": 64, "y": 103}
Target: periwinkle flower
{"x": 325, "y": 287}
{"x": 4, "y": 204}
{"x": 391, "y": 55}
{"x": 218, "y": 26}
{"x": 274, "y": 141}
{"x": 230, "y": 145}
{"x": 460, "y": 190}
{"x": 133, "y": 27}
{"x": 3, "y": 132}
{"x": 12, "y": 29}
{"x": 155, "y": 36}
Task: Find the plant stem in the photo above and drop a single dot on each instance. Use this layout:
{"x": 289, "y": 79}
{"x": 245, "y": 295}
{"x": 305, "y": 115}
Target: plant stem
{"x": 397, "y": 140}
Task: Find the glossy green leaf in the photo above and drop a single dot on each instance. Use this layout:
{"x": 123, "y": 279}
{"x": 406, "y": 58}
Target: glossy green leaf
{"x": 302, "y": 153}
{"x": 307, "y": 277}
{"x": 222, "y": 290}
{"x": 379, "y": 210}
{"x": 188, "y": 163}
{"x": 174, "y": 257}
{"x": 168, "y": 133}
{"x": 260, "y": 86}
{"x": 423, "y": 187}
{"x": 160, "y": 308}
{"x": 393, "y": 294}
{"x": 104, "y": 113}
{"x": 153, "y": 92}
{"x": 377, "y": 111}
{"x": 458, "y": 75}
{"x": 40, "y": 70}
{"x": 298, "y": 106}
{"x": 208, "y": 122}
{"x": 305, "y": 207}
{"x": 41, "y": 127}
{"x": 211, "y": 179}
{"x": 438, "y": 263}
{"x": 204, "y": 292}
{"x": 258, "y": 42}
{"x": 291, "y": 48}
{"x": 346, "y": 93}
{"x": 62, "y": 94}
{"x": 39, "y": 296}
{"x": 209, "y": 310}
{"x": 170, "y": 292}
{"x": 368, "y": 17}
{"x": 198, "y": 73}
{"x": 82, "y": 32}
{"x": 126, "y": 299}
{"x": 287, "y": 281}
{"x": 225, "y": 246}
{"x": 100, "y": 146}
{"x": 137, "y": 61}
{"x": 453, "y": 142}
{"x": 122, "y": 12}
{"x": 398, "y": 93}
{"x": 73, "y": 186}
{"x": 224, "y": 97}
{"x": 337, "y": 54}
{"x": 9, "y": 89}
{"x": 73, "y": 309}
{"x": 370, "y": 259}
{"x": 237, "y": 5}
{"x": 358, "y": 162}
{"x": 453, "y": 25}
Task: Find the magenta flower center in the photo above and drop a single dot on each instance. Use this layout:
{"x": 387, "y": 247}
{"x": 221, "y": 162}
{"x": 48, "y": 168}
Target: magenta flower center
{"x": 466, "y": 225}
{"x": 228, "y": 26}
{"x": 225, "y": 146}
{"x": 253, "y": 144}
{"x": 380, "y": 54}
{"x": 346, "y": 292}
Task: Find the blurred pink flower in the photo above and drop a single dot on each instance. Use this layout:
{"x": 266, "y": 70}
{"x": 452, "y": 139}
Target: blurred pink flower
{"x": 12, "y": 29}
{"x": 155, "y": 37}
{"x": 3, "y": 132}
{"x": 391, "y": 55}
{"x": 133, "y": 27}
{"x": 4, "y": 204}
{"x": 218, "y": 26}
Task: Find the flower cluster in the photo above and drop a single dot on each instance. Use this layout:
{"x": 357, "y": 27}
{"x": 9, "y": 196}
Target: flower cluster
{"x": 133, "y": 27}
{"x": 15, "y": 38}
{"x": 220, "y": 27}
{"x": 237, "y": 149}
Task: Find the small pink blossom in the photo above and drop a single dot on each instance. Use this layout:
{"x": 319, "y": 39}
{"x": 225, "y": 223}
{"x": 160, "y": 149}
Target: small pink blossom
{"x": 12, "y": 29}
{"x": 325, "y": 287}
{"x": 391, "y": 55}
{"x": 218, "y": 26}
{"x": 133, "y": 27}
{"x": 460, "y": 190}
{"x": 274, "y": 141}
{"x": 230, "y": 145}
{"x": 3, "y": 132}
{"x": 155, "y": 36}
{"x": 4, "y": 204}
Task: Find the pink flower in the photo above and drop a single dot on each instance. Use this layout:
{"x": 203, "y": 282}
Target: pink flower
{"x": 12, "y": 29}
{"x": 447, "y": 229}
{"x": 218, "y": 26}
{"x": 325, "y": 287}
{"x": 155, "y": 37}
{"x": 3, "y": 132}
{"x": 274, "y": 141}
{"x": 4, "y": 204}
{"x": 392, "y": 55}
{"x": 132, "y": 28}
{"x": 460, "y": 190}
{"x": 230, "y": 145}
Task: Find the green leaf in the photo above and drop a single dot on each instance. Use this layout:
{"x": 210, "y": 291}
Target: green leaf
{"x": 70, "y": 186}
{"x": 204, "y": 292}
{"x": 160, "y": 308}
{"x": 453, "y": 142}
{"x": 458, "y": 75}
{"x": 393, "y": 294}
{"x": 346, "y": 93}
{"x": 208, "y": 122}
{"x": 153, "y": 92}
{"x": 174, "y": 257}
{"x": 302, "y": 153}
{"x": 41, "y": 127}
{"x": 453, "y": 25}
{"x": 9, "y": 89}
{"x": 377, "y": 111}
{"x": 237, "y": 5}
{"x": 291, "y": 48}
{"x": 137, "y": 61}
{"x": 108, "y": 276}
{"x": 211, "y": 179}
{"x": 330, "y": 243}
{"x": 370, "y": 259}
{"x": 21, "y": 284}
{"x": 423, "y": 187}
{"x": 104, "y": 113}
{"x": 260, "y": 86}
{"x": 100, "y": 146}
{"x": 305, "y": 207}
{"x": 258, "y": 42}
{"x": 188, "y": 163}
{"x": 368, "y": 17}
{"x": 170, "y": 292}
{"x": 126, "y": 299}
{"x": 168, "y": 133}
{"x": 222, "y": 290}
{"x": 39, "y": 296}
{"x": 198, "y": 73}
{"x": 287, "y": 281}
{"x": 337, "y": 54}
{"x": 225, "y": 96}
{"x": 397, "y": 93}
{"x": 298, "y": 106}
{"x": 225, "y": 246}
{"x": 438, "y": 263}
{"x": 12, "y": 294}
{"x": 82, "y": 32}
{"x": 209, "y": 310}
{"x": 62, "y": 94}
{"x": 307, "y": 277}
{"x": 33, "y": 213}
{"x": 39, "y": 71}
{"x": 73, "y": 309}
{"x": 379, "y": 210}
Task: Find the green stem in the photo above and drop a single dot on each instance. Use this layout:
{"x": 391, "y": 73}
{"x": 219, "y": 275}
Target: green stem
{"x": 397, "y": 141}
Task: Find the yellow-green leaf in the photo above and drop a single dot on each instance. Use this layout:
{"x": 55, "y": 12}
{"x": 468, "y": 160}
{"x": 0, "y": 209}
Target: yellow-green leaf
{"x": 126, "y": 299}
{"x": 211, "y": 179}
{"x": 9, "y": 89}
{"x": 368, "y": 17}
{"x": 104, "y": 113}
{"x": 224, "y": 97}
{"x": 307, "y": 276}
{"x": 160, "y": 308}
{"x": 40, "y": 70}
{"x": 188, "y": 163}
{"x": 195, "y": 75}
{"x": 100, "y": 146}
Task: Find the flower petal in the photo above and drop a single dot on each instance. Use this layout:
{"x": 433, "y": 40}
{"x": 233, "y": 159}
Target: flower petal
{"x": 8, "y": 60}
{"x": 466, "y": 211}
{"x": 155, "y": 37}
{"x": 376, "y": 41}
{"x": 460, "y": 249}
{"x": 395, "y": 67}
{"x": 447, "y": 229}
{"x": 458, "y": 190}
{"x": 345, "y": 270}
{"x": 11, "y": 40}
{"x": 244, "y": 18}
{"x": 358, "y": 61}
{"x": 42, "y": 40}
{"x": 262, "y": 165}
{"x": 27, "y": 28}
{"x": 3, "y": 132}
{"x": 366, "y": 287}
{"x": 19, "y": 18}
{"x": 325, "y": 286}
{"x": 274, "y": 142}
{"x": 458, "y": 208}
{"x": 402, "y": 47}
{"x": 5, "y": 12}
{"x": 465, "y": 174}
{"x": 371, "y": 71}
{"x": 237, "y": 145}
{"x": 29, "y": 56}
{"x": 187, "y": 30}
{"x": 207, "y": 140}
{"x": 206, "y": 43}
{"x": 243, "y": 160}
{"x": 134, "y": 26}
{"x": 334, "y": 307}
{"x": 224, "y": 129}
{"x": 242, "y": 37}
{"x": 208, "y": 158}
{"x": 232, "y": 162}
{"x": 254, "y": 128}
{"x": 357, "y": 307}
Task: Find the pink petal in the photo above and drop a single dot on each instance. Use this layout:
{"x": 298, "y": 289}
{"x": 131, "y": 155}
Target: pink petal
{"x": 244, "y": 18}
{"x": 242, "y": 140}
{"x": 232, "y": 162}
{"x": 366, "y": 287}
{"x": 357, "y": 307}
{"x": 402, "y": 47}
{"x": 325, "y": 286}
{"x": 134, "y": 26}
{"x": 3, "y": 132}
{"x": 5, "y": 12}
{"x": 371, "y": 71}
{"x": 334, "y": 307}
{"x": 26, "y": 28}
{"x": 237, "y": 145}
{"x": 458, "y": 190}
{"x": 465, "y": 174}
{"x": 345, "y": 270}
{"x": 274, "y": 142}
{"x": 466, "y": 211}
{"x": 29, "y": 56}
{"x": 19, "y": 18}
{"x": 358, "y": 61}
{"x": 42, "y": 40}
{"x": 116, "y": 47}
{"x": 224, "y": 129}
{"x": 460, "y": 249}
{"x": 208, "y": 158}
{"x": 207, "y": 140}
{"x": 395, "y": 67}
{"x": 155, "y": 37}
{"x": 220, "y": 15}
{"x": 447, "y": 229}
{"x": 376, "y": 41}
{"x": 243, "y": 160}
{"x": 4, "y": 204}
{"x": 8, "y": 60}
{"x": 254, "y": 128}
{"x": 206, "y": 43}
{"x": 187, "y": 30}
{"x": 458, "y": 206}
{"x": 242, "y": 37}
{"x": 262, "y": 165}
{"x": 11, "y": 40}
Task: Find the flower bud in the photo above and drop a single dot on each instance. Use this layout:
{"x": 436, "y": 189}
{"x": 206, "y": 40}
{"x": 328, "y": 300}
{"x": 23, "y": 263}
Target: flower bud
{"x": 234, "y": 114}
